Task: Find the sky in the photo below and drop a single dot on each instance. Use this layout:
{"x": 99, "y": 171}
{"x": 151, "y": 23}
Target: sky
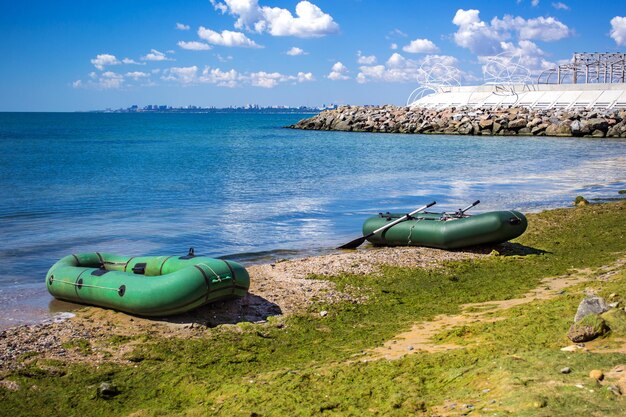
{"x": 84, "y": 55}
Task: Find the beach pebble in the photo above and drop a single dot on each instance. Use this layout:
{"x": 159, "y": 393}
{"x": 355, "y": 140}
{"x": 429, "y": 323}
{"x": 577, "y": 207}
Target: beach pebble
{"x": 596, "y": 374}
{"x": 107, "y": 390}
{"x": 571, "y": 348}
{"x": 410, "y": 348}
{"x": 621, "y": 384}
{"x": 10, "y": 385}
{"x": 566, "y": 370}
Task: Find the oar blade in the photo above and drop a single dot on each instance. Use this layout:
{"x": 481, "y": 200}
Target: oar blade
{"x": 353, "y": 244}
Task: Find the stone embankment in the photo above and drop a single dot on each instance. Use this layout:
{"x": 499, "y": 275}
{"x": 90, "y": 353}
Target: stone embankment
{"x": 470, "y": 121}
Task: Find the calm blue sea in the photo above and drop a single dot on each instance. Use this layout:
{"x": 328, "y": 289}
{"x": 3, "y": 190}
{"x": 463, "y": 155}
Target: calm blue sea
{"x": 240, "y": 185}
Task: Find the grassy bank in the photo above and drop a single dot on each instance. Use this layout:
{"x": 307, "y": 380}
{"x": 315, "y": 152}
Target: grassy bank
{"x": 307, "y": 364}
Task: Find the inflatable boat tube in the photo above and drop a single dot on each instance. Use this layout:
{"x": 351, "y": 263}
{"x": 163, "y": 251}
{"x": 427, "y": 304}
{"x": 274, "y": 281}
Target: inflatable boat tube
{"x": 148, "y": 285}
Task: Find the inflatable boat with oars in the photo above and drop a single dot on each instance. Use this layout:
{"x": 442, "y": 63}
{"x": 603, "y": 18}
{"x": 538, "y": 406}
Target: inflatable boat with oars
{"x": 147, "y": 285}
{"x": 441, "y": 230}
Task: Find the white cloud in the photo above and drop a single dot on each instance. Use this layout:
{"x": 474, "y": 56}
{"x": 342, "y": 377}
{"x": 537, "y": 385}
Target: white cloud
{"x": 102, "y": 60}
{"x": 131, "y": 61}
{"x": 305, "y": 77}
{"x": 396, "y": 32}
{"x": 393, "y": 46}
{"x": 182, "y": 26}
{"x": 618, "y": 30}
{"x": 399, "y": 69}
{"x": 110, "y": 80}
{"x": 295, "y": 51}
{"x": 136, "y": 75}
{"x": 560, "y": 6}
{"x": 107, "y": 80}
{"x": 474, "y": 34}
{"x": 271, "y": 80}
{"x": 540, "y": 28}
{"x": 194, "y": 46}
{"x": 534, "y": 3}
{"x": 192, "y": 75}
{"x": 220, "y": 78}
{"x": 420, "y": 46}
{"x": 338, "y": 72}
{"x": 309, "y": 22}
{"x": 486, "y": 38}
{"x": 219, "y": 6}
{"x": 222, "y": 58}
{"x": 532, "y": 57}
{"x": 264, "y": 79}
{"x": 182, "y": 75}
{"x": 155, "y": 55}
{"x": 365, "y": 59}
{"x": 226, "y": 38}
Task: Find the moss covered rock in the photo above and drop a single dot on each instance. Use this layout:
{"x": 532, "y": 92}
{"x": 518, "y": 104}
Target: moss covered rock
{"x": 589, "y": 328}
{"x": 616, "y": 320}
{"x": 581, "y": 201}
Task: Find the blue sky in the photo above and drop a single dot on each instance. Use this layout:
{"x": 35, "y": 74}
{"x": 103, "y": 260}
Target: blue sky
{"x": 66, "y": 56}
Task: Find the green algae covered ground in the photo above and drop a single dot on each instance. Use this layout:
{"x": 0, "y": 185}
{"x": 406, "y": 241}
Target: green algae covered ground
{"x": 306, "y": 364}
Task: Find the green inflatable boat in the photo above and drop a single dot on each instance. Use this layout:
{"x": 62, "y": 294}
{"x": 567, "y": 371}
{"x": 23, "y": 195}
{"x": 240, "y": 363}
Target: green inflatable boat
{"x": 446, "y": 231}
{"x": 147, "y": 285}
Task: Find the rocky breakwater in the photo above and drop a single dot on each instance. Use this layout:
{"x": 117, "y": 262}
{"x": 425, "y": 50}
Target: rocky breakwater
{"x": 470, "y": 121}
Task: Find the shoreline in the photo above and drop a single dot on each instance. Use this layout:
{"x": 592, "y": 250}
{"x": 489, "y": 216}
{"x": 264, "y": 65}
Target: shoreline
{"x": 513, "y": 121}
{"x": 470, "y": 324}
{"x": 279, "y": 288}
{"x": 46, "y": 309}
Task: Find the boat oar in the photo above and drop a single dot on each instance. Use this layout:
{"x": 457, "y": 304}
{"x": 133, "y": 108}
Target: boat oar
{"x": 357, "y": 242}
{"x": 462, "y": 211}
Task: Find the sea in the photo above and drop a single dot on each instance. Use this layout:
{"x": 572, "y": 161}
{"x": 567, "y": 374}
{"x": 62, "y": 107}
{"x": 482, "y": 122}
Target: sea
{"x": 243, "y": 187}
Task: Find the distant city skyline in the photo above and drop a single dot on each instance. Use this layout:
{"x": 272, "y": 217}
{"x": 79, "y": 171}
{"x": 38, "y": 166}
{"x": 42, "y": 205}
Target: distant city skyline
{"x": 80, "y": 56}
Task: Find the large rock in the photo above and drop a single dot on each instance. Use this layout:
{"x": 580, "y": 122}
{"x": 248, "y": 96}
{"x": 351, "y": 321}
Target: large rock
{"x": 517, "y": 124}
{"x": 538, "y": 129}
{"x": 559, "y": 129}
{"x": 590, "y": 305}
{"x": 598, "y": 124}
{"x": 589, "y": 328}
{"x": 486, "y": 123}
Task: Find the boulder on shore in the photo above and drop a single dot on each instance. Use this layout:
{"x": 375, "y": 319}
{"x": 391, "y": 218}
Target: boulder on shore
{"x": 590, "y": 305}
{"x": 589, "y": 328}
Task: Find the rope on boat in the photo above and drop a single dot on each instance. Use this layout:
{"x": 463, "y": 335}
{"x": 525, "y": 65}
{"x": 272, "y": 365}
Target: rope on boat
{"x": 214, "y": 273}
{"x": 515, "y": 215}
{"x": 419, "y": 219}
{"x": 87, "y": 285}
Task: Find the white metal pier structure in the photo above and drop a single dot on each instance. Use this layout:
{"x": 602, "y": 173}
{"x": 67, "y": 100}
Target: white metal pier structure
{"x": 534, "y": 96}
{"x": 589, "y": 81}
